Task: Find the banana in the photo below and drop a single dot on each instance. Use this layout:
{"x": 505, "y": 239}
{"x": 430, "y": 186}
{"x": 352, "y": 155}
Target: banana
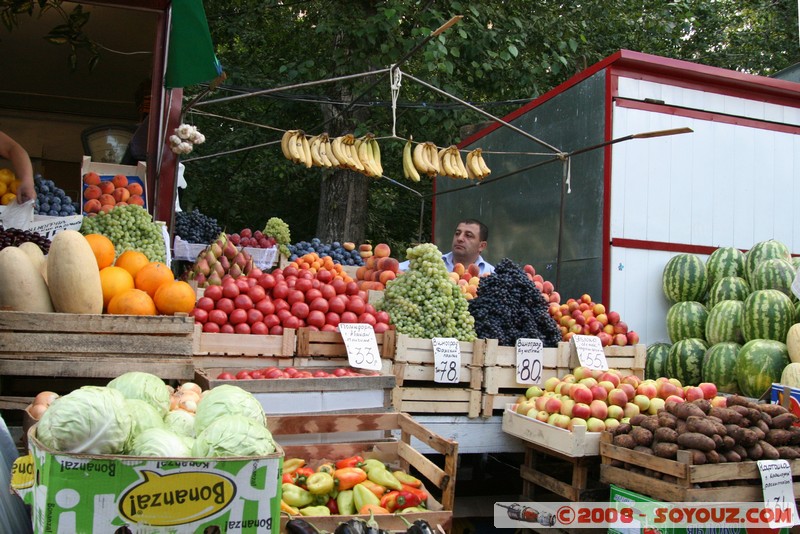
{"x": 323, "y": 155}
{"x": 433, "y": 159}
{"x": 485, "y": 170}
{"x": 376, "y": 155}
{"x": 316, "y": 154}
{"x": 470, "y": 170}
{"x": 444, "y": 163}
{"x": 334, "y": 162}
{"x": 338, "y": 150}
{"x": 292, "y": 146}
{"x": 409, "y": 170}
{"x": 476, "y": 167}
{"x": 285, "y": 138}
{"x": 365, "y": 156}
{"x": 350, "y": 145}
{"x": 306, "y": 151}
{"x": 459, "y": 163}
{"x": 418, "y": 156}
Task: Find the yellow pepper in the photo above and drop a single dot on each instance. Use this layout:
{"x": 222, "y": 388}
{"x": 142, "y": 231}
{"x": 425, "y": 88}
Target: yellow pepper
{"x": 384, "y": 478}
{"x": 363, "y": 496}
{"x": 315, "y": 510}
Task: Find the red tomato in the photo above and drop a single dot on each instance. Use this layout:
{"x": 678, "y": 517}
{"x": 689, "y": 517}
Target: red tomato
{"x": 280, "y": 291}
{"x": 356, "y": 305}
{"x": 242, "y": 284}
{"x": 225, "y": 376}
{"x": 380, "y": 328}
{"x": 200, "y": 315}
{"x": 315, "y": 284}
{"x": 243, "y": 302}
{"x": 369, "y": 308}
{"x": 303, "y": 284}
{"x": 251, "y": 280}
{"x": 291, "y": 271}
{"x": 339, "y": 371}
{"x": 292, "y": 322}
{"x": 243, "y": 375}
{"x": 213, "y": 292}
{"x": 312, "y": 328}
{"x": 316, "y": 318}
{"x": 257, "y": 375}
{"x": 382, "y": 317}
{"x": 295, "y": 295}
{"x": 274, "y": 373}
{"x": 328, "y": 328}
{"x": 230, "y": 290}
{"x": 227, "y": 328}
{"x": 254, "y": 316}
{"x": 349, "y": 317}
{"x": 265, "y": 306}
{"x": 327, "y": 290}
{"x": 367, "y": 318}
{"x": 238, "y": 316}
{"x": 291, "y": 371}
{"x": 319, "y": 304}
{"x": 351, "y": 288}
{"x": 271, "y": 320}
{"x": 218, "y": 317}
{"x": 256, "y": 293}
{"x": 242, "y": 328}
{"x": 267, "y": 281}
{"x": 225, "y": 304}
{"x": 283, "y": 315}
{"x": 259, "y": 328}
{"x": 312, "y": 294}
{"x": 211, "y": 328}
{"x": 332, "y": 319}
{"x": 324, "y": 276}
{"x": 276, "y": 330}
{"x": 300, "y": 310}
{"x": 339, "y": 285}
{"x": 337, "y": 304}
{"x": 320, "y": 374}
{"x": 205, "y": 303}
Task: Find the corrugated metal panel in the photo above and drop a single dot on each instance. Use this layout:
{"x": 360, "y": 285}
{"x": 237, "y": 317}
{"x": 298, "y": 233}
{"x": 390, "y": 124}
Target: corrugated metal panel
{"x": 524, "y": 209}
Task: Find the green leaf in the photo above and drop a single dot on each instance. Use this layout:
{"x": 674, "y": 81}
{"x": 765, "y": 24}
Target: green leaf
{"x": 455, "y": 52}
{"x": 513, "y": 50}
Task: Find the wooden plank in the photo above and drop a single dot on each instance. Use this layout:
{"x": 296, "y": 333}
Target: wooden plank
{"x": 330, "y": 344}
{"x": 647, "y": 461}
{"x": 19, "y": 344}
{"x": 420, "y": 351}
{"x": 182, "y": 369}
{"x": 325, "y": 424}
{"x": 87, "y": 323}
{"x": 245, "y": 344}
{"x": 549, "y": 483}
{"x": 15, "y": 402}
{"x": 426, "y": 373}
{"x": 206, "y": 379}
{"x": 239, "y": 362}
{"x": 494, "y": 403}
{"x": 574, "y": 443}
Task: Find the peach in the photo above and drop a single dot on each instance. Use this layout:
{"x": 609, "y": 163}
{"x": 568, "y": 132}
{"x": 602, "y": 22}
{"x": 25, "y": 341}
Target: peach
{"x": 92, "y": 191}
{"x": 382, "y": 250}
{"x": 119, "y": 180}
{"x": 630, "y": 410}
{"x": 389, "y": 264}
{"x": 616, "y": 412}
{"x": 105, "y": 208}
{"x": 720, "y": 402}
{"x": 613, "y": 317}
{"x": 632, "y": 380}
{"x": 581, "y": 410}
{"x": 459, "y": 269}
{"x": 547, "y": 287}
{"x": 610, "y": 376}
{"x": 121, "y": 194}
{"x": 633, "y": 337}
{"x": 136, "y": 200}
{"x": 642, "y": 401}
{"x": 647, "y": 389}
{"x": 366, "y": 247}
{"x": 553, "y": 405}
{"x": 709, "y": 390}
{"x": 629, "y": 390}
{"x": 385, "y": 276}
{"x": 551, "y": 383}
{"x": 107, "y": 200}
{"x": 655, "y": 405}
{"x": 621, "y": 328}
{"x": 693, "y": 393}
{"x": 92, "y": 206}
{"x": 562, "y": 421}
{"x": 91, "y": 178}
{"x": 620, "y": 339}
{"x": 581, "y": 393}
{"x": 524, "y": 407}
{"x": 555, "y": 297}
{"x": 135, "y": 189}
{"x": 568, "y": 407}
{"x": 608, "y": 385}
{"x": 106, "y": 187}
{"x": 365, "y": 254}
{"x": 576, "y": 421}
{"x": 542, "y": 416}
{"x": 473, "y": 269}
{"x": 598, "y": 309}
{"x": 600, "y": 392}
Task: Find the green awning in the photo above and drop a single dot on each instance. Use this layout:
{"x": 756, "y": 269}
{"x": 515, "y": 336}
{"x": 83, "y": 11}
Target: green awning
{"x": 191, "y": 57}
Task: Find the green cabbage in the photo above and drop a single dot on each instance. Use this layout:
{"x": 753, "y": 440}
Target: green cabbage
{"x": 144, "y": 416}
{"x": 233, "y": 436}
{"x": 181, "y": 422}
{"x": 143, "y": 386}
{"x": 160, "y": 443}
{"x": 227, "y": 400}
{"x": 89, "y": 420}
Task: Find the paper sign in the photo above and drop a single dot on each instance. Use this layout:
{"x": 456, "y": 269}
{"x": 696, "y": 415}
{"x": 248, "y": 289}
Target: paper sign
{"x": 361, "y": 345}
{"x": 590, "y": 352}
{"x": 446, "y": 360}
{"x": 529, "y": 361}
{"x": 776, "y": 481}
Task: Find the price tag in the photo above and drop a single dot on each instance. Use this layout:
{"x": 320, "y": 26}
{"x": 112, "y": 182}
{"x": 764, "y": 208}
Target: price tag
{"x": 590, "y": 352}
{"x": 529, "y": 361}
{"x": 776, "y": 481}
{"x": 362, "y": 347}
{"x": 446, "y": 360}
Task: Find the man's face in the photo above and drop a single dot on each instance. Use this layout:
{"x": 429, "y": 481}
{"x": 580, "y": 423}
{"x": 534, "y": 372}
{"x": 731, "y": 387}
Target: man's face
{"x": 467, "y": 242}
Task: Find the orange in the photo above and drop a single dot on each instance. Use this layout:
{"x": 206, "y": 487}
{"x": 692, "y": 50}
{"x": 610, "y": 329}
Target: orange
{"x": 103, "y": 250}
{"x": 114, "y": 280}
{"x": 7, "y": 176}
{"x": 174, "y": 297}
{"x": 7, "y": 198}
{"x": 132, "y": 302}
{"x": 151, "y": 276}
{"x": 131, "y": 260}
{"x": 14, "y": 185}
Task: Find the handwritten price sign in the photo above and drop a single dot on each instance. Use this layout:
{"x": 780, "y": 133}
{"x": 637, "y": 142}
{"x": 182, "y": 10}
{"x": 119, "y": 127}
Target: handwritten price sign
{"x": 590, "y": 352}
{"x": 361, "y": 345}
{"x": 529, "y": 361}
{"x": 446, "y": 360}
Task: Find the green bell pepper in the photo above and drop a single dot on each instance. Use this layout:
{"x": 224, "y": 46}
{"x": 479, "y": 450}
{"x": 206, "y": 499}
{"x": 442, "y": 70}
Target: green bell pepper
{"x": 320, "y": 483}
{"x": 295, "y": 495}
{"x": 372, "y": 463}
{"x": 385, "y": 478}
{"x": 413, "y": 509}
{"x": 315, "y": 510}
{"x": 346, "y": 503}
{"x": 362, "y": 496}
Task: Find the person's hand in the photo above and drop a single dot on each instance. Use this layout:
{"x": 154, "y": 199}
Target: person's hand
{"x": 25, "y": 192}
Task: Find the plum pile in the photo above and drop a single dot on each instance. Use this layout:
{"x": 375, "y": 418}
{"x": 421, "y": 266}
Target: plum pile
{"x": 14, "y": 237}
{"x": 335, "y": 250}
{"x": 509, "y": 307}
{"x": 52, "y": 200}
{"x": 195, "y": 227}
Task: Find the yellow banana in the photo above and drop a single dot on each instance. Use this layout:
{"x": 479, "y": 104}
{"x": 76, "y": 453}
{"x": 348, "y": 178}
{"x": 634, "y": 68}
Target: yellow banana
{"x": 285, "y": 138}
{"x": 470, "y": 170}
{"x": 476, "y": 168}
{"x": 306, "y": 151}
{"x": 418, "y": 156}
{"x": 338, "y": 152}
{"x": 409, "y": 170}
{"x": 482, "y": 164}
{"x": 364, "y": 155}
{"x": 444, "y": 163}
{"x": 295, "y": 146}
{"x": 432, "y": 158}
{"x": 323, "y": 155}
{"x": 350, "y": 145}
{"x": 329, "y": 152}
{"x": 376, "y": 155}
{"x": 316, "y": 155}
{"x": 459, "y": 163}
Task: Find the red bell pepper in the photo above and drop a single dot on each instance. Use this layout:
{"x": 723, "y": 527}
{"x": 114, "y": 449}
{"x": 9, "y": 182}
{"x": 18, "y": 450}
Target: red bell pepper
{"x": 419, "y": 492}
{"x": 353, "y": 461}
{"x": 332, "y": 506}
{"x": 397, "y": 500}
{"x": 298, "y": 477}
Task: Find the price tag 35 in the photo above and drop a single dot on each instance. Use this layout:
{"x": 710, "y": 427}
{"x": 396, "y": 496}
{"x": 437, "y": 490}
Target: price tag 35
{"x": 446, "y": 360}
{"x": 529, "y": 361}
{"x": 361, "y": 345}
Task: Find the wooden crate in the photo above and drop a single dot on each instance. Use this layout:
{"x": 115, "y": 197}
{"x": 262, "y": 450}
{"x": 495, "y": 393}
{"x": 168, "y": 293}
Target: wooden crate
{"x": 573, "y": 444}
{"x": 500, "y": 385}
{"x": 318, "y": 437}
{"x": 366, "y": 393}
{"x": 549, "y": 475}
{"x": 249, "y": 350}
{"x": 723, "y": 482}
{"x": 416, "y": 391}
{"x": 330, "y": 344}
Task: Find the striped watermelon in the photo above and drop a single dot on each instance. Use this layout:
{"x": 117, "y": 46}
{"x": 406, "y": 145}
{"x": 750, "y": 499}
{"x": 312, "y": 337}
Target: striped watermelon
{"x": 797, "y": 313}
{"x": 796, "y": 262}
{"x": 727, "y": 288}
{"x": 655, "y": 362}
{"x": 724, "y": 322}
{"x": 776, "y": 273}
{"x": 686, "y": 319}
{"x": 768, "y": 314}
{"x": 685, "y": 361}
{"x": 725, "y": 261}
{"x": 719, "y": 366}
{"x": 684, "y": 278}
{"x": 764, "y": 250}
{"x": 760, "y": 363}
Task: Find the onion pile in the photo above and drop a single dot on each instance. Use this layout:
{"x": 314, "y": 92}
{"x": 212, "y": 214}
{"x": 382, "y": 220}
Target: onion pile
{"x": 40, "y": 403}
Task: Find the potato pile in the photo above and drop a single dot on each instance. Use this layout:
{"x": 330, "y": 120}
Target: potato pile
{"x": 741, "y": 431}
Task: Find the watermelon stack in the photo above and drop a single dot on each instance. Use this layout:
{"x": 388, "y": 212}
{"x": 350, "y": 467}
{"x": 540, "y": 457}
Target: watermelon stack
{"x": 727, "y": 288}
{"x": 768, "y": 314}
{"x": 684, "y": 279}
{"x": 724, "y": 322}
{"x": 775, "y": 273}
{"x": 685, "y": 361}
{"x": 762, "y": 251}
{"x": 686, "y": 320}
{"x": 719, "y": 366}
{"x": 759, "y": 364}
{"x": 725, "y": 262}
{"x": 655, "y": 365}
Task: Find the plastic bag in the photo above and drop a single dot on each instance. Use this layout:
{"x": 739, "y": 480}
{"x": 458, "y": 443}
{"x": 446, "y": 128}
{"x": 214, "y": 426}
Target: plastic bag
{"x": 17, "y": 215}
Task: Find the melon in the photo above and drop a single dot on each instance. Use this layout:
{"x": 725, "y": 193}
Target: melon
{"x": 793, "y": 342}
{"x": 686, "y": 319}
{"x": 724, "y": 262}
{"x": 724, "y": 322}
{"x": 655, "y": 363}
{"x": 22, "y": 286}
{"x": 761, "y": 251}
{"x": 768, "y": 314}
{"x": 791, "y": 375}
{"x": 727, "y": 288}
{"x": 775, "y": 273}
{"x": 685, "y": 361}
{"x": 759, "y": 364}
{"x": 684, "y": 278}
{"x": 72, "y": 274}
{"x": 719, "y": 366}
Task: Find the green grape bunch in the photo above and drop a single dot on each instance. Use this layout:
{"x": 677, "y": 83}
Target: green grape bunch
{"x": 130, "y": 228}
{"x": 279, "y": 230}
{"x": 424, "y": 302}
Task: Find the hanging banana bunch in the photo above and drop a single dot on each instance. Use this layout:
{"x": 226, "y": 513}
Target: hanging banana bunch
{"x": 476, "y": 167}
{"x": 361, "y": 154}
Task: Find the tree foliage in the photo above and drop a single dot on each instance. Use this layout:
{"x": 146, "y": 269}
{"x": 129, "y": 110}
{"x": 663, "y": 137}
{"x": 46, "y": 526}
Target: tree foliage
{"x": 499, "y": 56}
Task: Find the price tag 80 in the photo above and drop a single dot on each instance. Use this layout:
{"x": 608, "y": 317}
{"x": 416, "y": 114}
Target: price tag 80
{"x": 529, "y": 361}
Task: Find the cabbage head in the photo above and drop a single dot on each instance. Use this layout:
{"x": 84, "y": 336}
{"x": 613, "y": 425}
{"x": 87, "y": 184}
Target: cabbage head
{"x": 227, "y": 400}
{"x": 143, "y": 386}
{"x": 233, "y": 436}
{"x": 89, "y": 420}
{"x": 160, "y": 443}
{"x": 144, "y": 416}
{"x": 181, "y": 422}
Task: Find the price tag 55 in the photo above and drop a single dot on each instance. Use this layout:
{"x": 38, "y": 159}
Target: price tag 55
{"x": 529, "y": 361}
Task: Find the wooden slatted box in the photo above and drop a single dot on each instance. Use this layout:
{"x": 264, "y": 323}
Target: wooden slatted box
{"x": 329, "y": 437}
{"x": 416, "y": 390}
{"x": 242, "y": 350}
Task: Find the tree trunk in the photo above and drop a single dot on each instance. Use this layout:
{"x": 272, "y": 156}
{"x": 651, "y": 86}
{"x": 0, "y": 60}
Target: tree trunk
{"x": 343, "y": 207}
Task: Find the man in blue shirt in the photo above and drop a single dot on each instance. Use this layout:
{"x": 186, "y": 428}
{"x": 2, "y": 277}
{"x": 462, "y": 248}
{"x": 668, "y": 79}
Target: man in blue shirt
{"x": 469, "y": 241}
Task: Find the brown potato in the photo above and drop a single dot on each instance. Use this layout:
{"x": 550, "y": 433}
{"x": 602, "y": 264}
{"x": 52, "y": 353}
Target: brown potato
{"x": 651, "y": 423}
{"x": 698, "y": 457}
{"x": 738, "y": 400}
{"x": 642, "y": 435}
{"x": 666, "y": 450}
{"x": 741, "y": 451}
{"x": 637, "y": 419}
{"x": 755, "y": 452}
{"x": 777, "y": 437}
{"x": 701, "y": 425}
{"x": 695, "y": 440}
{"x": 666, "y": 419}
{"x": 789, "y": 453}
{"x": 726, "y": 415}
{"x": 703, "y": 404}
{"x": 682, "y": 410}
{"x": 772, "y": 409}
{"x": 622, "y": 428}
{"x": 624, "y": 440}
{"x": 784, "y": 420}
{"x": 728, "y": 442}
{"x": 747, "y": 438}
{"x": 665, "y": 434}
{"x": 770, "y": 452}
{"x": 713, "y": 457}
{"x": 643, "y": 449}
{"x": 732, "y": 456}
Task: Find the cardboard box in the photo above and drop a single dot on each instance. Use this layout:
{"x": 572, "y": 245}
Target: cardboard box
{"x": 135, "y": 174}
{"x": 86, "y": 493}
{"x": 786, "y": 396}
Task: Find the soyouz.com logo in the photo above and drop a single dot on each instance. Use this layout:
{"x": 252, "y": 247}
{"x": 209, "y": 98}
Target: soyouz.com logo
{"x": 176, "y": 499}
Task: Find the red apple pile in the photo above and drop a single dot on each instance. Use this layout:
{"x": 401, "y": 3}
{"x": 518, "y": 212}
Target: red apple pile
{"x": 584, "y": 317}
{"x": 601, "y": 400}
{"x": 378, "y": 268}
{"x": 247, "y": 238}
{"x": 268, "y": 373}
{"x": 546, "y": 287}
{"x": 266, "y": 303}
